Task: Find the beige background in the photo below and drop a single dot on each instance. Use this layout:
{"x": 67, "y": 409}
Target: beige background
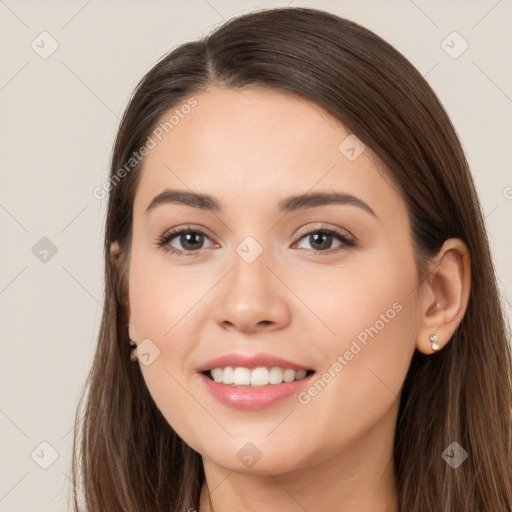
{"x": 59, "y": 117}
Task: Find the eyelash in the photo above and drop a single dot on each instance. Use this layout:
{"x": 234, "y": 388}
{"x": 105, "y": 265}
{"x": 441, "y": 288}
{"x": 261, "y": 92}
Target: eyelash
{"x": 165, "y": 239}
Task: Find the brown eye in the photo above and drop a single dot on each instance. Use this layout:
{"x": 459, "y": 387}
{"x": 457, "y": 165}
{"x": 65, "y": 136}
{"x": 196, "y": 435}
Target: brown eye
{"x": 321, "y": 240}
{"x": 190, "y": 239}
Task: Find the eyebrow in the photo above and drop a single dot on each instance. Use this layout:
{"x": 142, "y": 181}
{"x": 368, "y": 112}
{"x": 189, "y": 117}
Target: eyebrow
{"x": 289, "y": 204}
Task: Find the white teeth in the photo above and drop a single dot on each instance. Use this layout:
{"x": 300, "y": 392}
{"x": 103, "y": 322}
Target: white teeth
{"x": 241, "y": 377}
{"x": 217, "y": 374}
{"x": 300, "y": 374}
{"x": 260, "y": 376}
{"x": 228, "y": 376}
{"x": 276, "y": 376}
{"x": 289, "y": 375}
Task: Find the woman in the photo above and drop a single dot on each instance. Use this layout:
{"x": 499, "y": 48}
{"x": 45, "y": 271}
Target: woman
{"x": 301, "y": 312}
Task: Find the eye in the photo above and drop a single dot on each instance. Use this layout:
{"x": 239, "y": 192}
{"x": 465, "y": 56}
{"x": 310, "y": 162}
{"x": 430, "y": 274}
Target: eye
{"x": 321, "y": 239}
{"x": 191, "y": 240}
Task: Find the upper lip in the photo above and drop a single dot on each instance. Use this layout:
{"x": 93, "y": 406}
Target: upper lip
{"x": 250, "y": 361}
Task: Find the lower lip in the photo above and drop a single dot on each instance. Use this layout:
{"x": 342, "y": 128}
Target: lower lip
{"x": 253, "y": 397}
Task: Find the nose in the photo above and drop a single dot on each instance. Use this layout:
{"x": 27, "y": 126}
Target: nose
{"x": 252, "y": 297}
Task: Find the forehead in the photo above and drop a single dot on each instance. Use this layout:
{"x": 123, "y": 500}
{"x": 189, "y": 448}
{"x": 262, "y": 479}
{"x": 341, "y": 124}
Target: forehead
{"x": 251, "y": 146}
{"x": 254, "y": 122}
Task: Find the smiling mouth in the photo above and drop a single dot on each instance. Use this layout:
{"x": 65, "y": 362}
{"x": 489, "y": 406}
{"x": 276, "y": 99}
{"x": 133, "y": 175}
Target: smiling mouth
{"x": 256, "y": 377}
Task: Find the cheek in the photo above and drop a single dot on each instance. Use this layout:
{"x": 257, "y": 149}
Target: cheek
{"x": 372, "y": 312}
{"x": 370, "y": 297}
{"x": 165, "y": 302}
{"x": 163, "y": 297}
{"x": 372, "y": 315}
{"x": 168, "y": 321}
{"x": 359, "y": 387}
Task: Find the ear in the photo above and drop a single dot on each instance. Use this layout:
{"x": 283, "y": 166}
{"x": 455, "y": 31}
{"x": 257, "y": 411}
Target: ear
{"x": 115, "y": 257}
{"x": 444, "y": 295}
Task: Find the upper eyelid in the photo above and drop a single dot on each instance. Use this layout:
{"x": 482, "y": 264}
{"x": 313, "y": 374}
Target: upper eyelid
{"x": 173, "y": 233}
{"x": 322, "y": 227}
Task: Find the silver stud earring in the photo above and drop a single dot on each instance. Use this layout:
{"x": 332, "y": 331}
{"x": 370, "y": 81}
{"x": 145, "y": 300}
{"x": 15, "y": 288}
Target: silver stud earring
{"x": 434, "y": 339}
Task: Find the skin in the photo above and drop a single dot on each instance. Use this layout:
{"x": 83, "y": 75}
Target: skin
{"x": 250, "y": 148}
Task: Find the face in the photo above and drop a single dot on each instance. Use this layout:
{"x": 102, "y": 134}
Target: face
{"x": 325, "y": 287}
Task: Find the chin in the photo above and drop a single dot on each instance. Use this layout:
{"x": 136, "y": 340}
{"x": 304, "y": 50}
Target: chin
{"x": 257, "y": 457}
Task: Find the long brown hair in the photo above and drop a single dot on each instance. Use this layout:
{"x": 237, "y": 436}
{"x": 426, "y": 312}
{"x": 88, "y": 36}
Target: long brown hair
{"x": 125, "y": 454}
